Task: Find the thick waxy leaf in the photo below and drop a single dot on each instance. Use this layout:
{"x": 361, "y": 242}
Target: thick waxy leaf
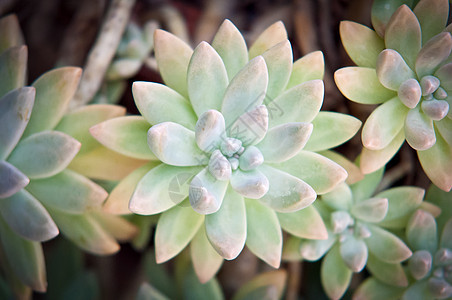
{"x": 392, "y": 70}
{"x": 305, "y": 223}
{"x": 364, "y": 189}
{"x": 15, "y": 111}
{"x": 12, "y": 180}
{"x": 354, "y": 172}
{"x": 361, "y": 43}
{"x": 371, "y": 210}
{"x": 318, "y": 171}
{"x": 420, "y": 264}
{"x": 335, "y": 275}
{"x": 54, "y": 90}
{"x": 250, "y": 159}
{"x": 284, "y": 141}
{"x": 410, "y": 93}
{"x": 206, "y": 261}
{"x": 27, "y": 217}
{"x": 389, "y": 273}
{"x": 309, "y": 67}
{"x": 372, "y": 289}
{"x": 418, "y": 291}
{"x": 68, "y": 191}
{"x": 273, "y": 35}
{"x": 291, "y": 249}
{"x": 251, "y": 184}
{"x": 313, "y": 250}
{"x": 246, "y": 90}
{"x": 175, "y": 229}
{"x": 361, "y": 85}
{"x": 437, "y": 163}
{"x": 421, "y": 232}
{"x": 354, "y": 253}
{"x": 264, "y": 237}
{"x": 158, "y": 103}
{"x": 298, "y": 104}
{"x": 44, "y": 154}
{"x": 226, "y": 229}
{"x": 432, "y": 16}
{"x": 382, "y": 10}
{"x": 286, "y": 193}
{"x": 331, "y": 129}
{"x": 383, "y": 124}
{"x": 272, "y": 283}
{"x": 118, "y": 227}
{"x": 279, "y": 63}
{"x": 446, "y": 241}
{"x": 165, "y": 138}
{"x": 207, "y": 79}
{"x": 434, "y": 52}
{"x": 210, "y": 130}
{"x": 10, "y": 33}
{"x": 231, "y": 46}
{"x": 444, "y": 74}
{"x": 419, "y": 130}
{"x": 161, "y": 188}
{"x": 13, "y": 69}
{"x": 386, "y": 246}
{"x": 173, "y": 56}
{"x": 251, "y": 127}
{"x": 25, "y": 257}
{"x": 403, "y": 34}
{"x": 340, "y": 198}
{"x": 126, "y": 135}
{"x": 206, "y": 193}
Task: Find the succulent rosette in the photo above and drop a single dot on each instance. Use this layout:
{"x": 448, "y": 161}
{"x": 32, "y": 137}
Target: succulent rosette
{"x": 404, "y": 65}
{"x": 234, "y": 131}
{"x": 39, "y": 195}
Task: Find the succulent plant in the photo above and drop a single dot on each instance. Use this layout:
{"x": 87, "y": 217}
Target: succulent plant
{"x": 359, "y": 223}
{"x": 229, "y": 127}
{"x": 404, "y": 65}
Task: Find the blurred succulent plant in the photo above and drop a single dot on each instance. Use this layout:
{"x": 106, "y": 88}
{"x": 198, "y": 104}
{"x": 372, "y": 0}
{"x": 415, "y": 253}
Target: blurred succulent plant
{"x": 357, "y": 221}
{"x": 404, "y": 65}
{"x": 39, "y": 196}
{"x": 230, "y": 126}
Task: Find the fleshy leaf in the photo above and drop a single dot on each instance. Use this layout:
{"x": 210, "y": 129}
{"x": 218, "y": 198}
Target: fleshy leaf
{"x": 226, "y": 229}
{"x": 382, "y": 10}
{"x": 15, "y": 111}
{"x": 279, "y": 63}
{"x": 291, "y": 249}
{"x": 44, "y": 154}
{"x": 284, "y": 141}
{"x": 309, "y": 67}
{"x": 421, "y": 232}
{"x": 444, "y": 127}
{"x": 330, "y": 130}
{"x": 54, "y": 90}
{"x": 207, "y": 79}
{"x": 126, "y": 135}
{"x": 313, "y": 250}
{"x": 251, "y": 127}
{"x": 419, "y": 130}
{"x": 305, "y": 223}
{"x": 354, "y": 172}
{"x": 372, "y": 289}
{"x": 173, "y": 56}
{"x": 165, "y": 138}
{"x": 272, "y": 282}
{"x": 246, "y": 90}
{"x": 354, "y": 253}
{"x": 206, "y": 261}
{"x": 27, "y": 217}
{"x": 286, "y": 193}
{"x": 383, "y": 124}
{"x": 371, "y": 210}
{"x": 432, "y": 16}
{"x": 273, "y": 35}
{"x": 251, "y": 184}
{"x": 392, "y": 70}
{"x": 335, "y": 275}
{"x": 340, "y": 198}
{"x": 403, "y": 34}
{"x": 175, "y": 229}
{"x": 361, "y": 43}
{"x": 68, "y": 191}
{"x": 13, "y": 69}
{"x": 434, "y": 52}
{"x": 158, "y": 103}
{"x": 444, "y": 74}
{"x": 210, "y": 130}
{"x": 10, "y": 33}
{"x": 264, "y": 237}
{"x": 361, "y": 85}
{"x": 206, "y": 193}
{"x": 386, "y": 246}
{"x": 365, "y": 188}
{"x": 389, "y": 273}
{"x": 118, "y": 227}
{"x": 12, "y": 180}
{"x": 161, "y": 188}
{"x": 231, "y": 46}
{"x": 446, "y": 241}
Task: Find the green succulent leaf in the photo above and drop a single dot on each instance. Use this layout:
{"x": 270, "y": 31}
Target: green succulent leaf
{"x": 432, "y": 16}
{"x": 251, "y": 184}
{"x": 12, "y": 180}
{"x": 340, "y": 198}
{"x": 305, "y": 223}
{"x": 313, "y": 250}
{"x": 251, "y": 127}
{"x": 273, "y": 35}
{"x": 354, "y": 253}
{"x": 273, "y": 283}
{"x": 386, "y": 246}
{"x": 13, "y": 69}
{"x": 382, "y": 10}
{"x": 334, "y": 273}
{"x": 307, "y": 68}
{"x": 365, "y": 188}
{"x": 330, "y": 130}
{"x": 389, "y": 273}
{"x": 118, "y": 227}
{"x": 158, "y": 103}
{"x": 148, "y": 292}
{"x": 10, "y": 33}
{"x": 372, "y": 289}
{"x": 417, "y": 291}
{"x": 434, "y": 52}
{"x": 444, "y": 74}
{"x": 123, "y": 68}
{"x": 361, "y": 85}
{"x": 206, "y": 193}
{"x": 372, "y": 210}
{"x": 207, "y": 79}
{"x": 392, "y": 70}
{"x": 444, "y": 127}
{"x": 54, "y": 90}
{"x": 173, "y": 56}
{"x": 446, "y": 240}
{"x": 210, "y": 130}
{"x": 279, "y": 63}
{"x": 264, "y": 237}
{"x": 419, "y": 130}
{"x": 354, "y": 172}
{"x": 361, "y": 43}
{"x": 175, "y": 229}
{"x": 421, "y": 232}
{"x": 226, "y": 229}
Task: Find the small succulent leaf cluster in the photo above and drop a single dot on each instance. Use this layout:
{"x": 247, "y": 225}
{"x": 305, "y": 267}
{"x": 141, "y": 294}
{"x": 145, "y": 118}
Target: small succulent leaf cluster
{"x": 404, "y": 65}
{"x": 229, "y": 126}
{"x": 39, "y": 195}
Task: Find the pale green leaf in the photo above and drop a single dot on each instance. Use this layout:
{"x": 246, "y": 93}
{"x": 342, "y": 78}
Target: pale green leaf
{"x": 392, "y": 70}
{"x": 309, "y": 67}
{"x": 432, "y": 16}
{"x": 206, "y": 261}
{"x": 274, "y": 282}
{"x": 382, "y": 11}
{"x": 389, "y": 273}
{"x": 10, "y": 33}
{"x": 386, "y": 246}
{"x": 12, "y": 180}
{"x": 279, "y": 63}
{"x": 421, "y": 232}
{"x": 206, "y": 193}
{"x": 372, "y": 210}
{"x": 13, "y": 69}
{"x": 434, "y": 52}
{"x": 334, "y": 274}
{"x": 273, "y": 35}
{"x": 354, "y": 253}
{"x": 305, "y": 223}
{"x": 419, "y": 130}
{"x": 372, "y": 289}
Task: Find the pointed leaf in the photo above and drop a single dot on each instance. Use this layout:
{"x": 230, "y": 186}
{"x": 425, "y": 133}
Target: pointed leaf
{"x": 279, "y": 63}
{"x": 173, "y": 56}
{"x": 335, "y": 275}
{"x": 372, "y": 289}
{"x": 206, "y": 193}
{"x": 158, "y": 103}
{"x": 12, "y": 180}
{"x": 446, "y": 241}
{"x": 207, "y": 79}
{"x": 210, "y": 130}
{"x": 251, "y": 127}
{"x": 354, "y": 253}
{"x": 206, "y": 261}
{"x": 392, "y": 70}
{"x": 444, "y": 74}
{"x": 432, "y": 16}
{"x": 226, "y": 229}
{"x": 354, "y": 172}
{"x": 10, "y": 33}
{"x": 264, "y": 237}
{"x": 386, "y": 246}
{"x": 54, "y": 90}
{"x": 434, "y": 52}
{"x": 313, "y": 250}
{"x": 389, "y": 273}
{"x": 305, "y": 223}
{"x": 421, "y": 232}
{"x": 309, "y": 67}
{"x": 175, "y": 229}
{"x": 118, "y": 227}
{"x": 13, "y": 69}
{"x": 365, "y": 188}
{"x": 444, "y": 127}
{"x": 274, "y": 281}
{"x": 372, "y": 210}
{"x": 273, "y": 35}
{"x": 251, "y": 184}
{"x": 382, "y": 10}
{"x": 419, "y": 130}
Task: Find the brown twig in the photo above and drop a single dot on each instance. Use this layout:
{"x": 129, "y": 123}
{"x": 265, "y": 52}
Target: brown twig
{"x": 294, "y": 279}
